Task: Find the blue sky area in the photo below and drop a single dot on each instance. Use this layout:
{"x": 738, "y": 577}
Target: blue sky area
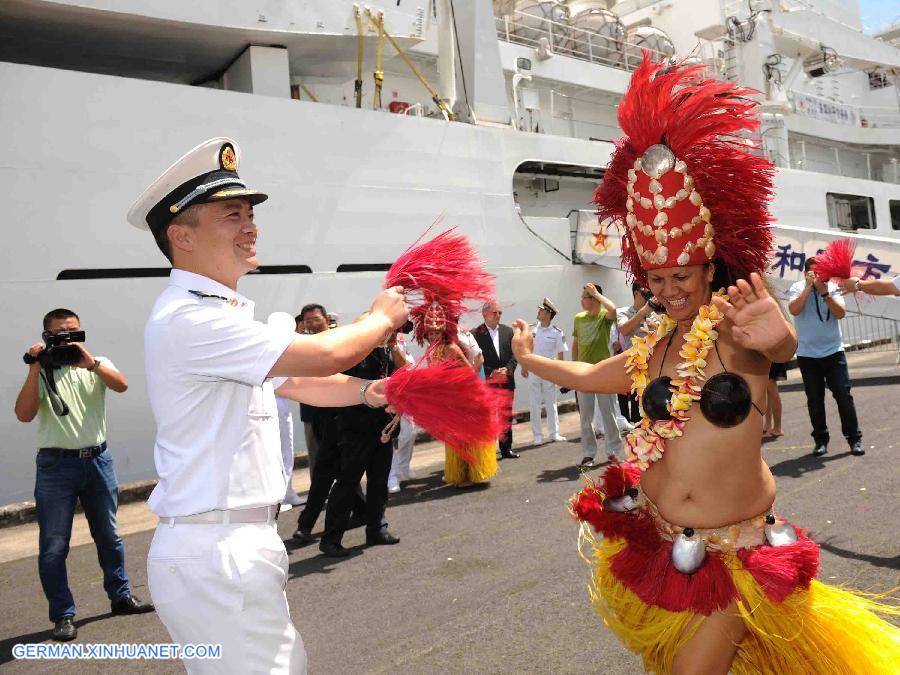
{"x": 877, "y": 13}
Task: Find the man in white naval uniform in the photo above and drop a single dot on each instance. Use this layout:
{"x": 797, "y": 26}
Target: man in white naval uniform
{"x": 550, "y": 342}
{"x": 217, "y": 568}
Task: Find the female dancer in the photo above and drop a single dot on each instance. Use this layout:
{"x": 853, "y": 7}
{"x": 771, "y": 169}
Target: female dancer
{"x": 476, "y": 463}
{"x": 694, "y": 570}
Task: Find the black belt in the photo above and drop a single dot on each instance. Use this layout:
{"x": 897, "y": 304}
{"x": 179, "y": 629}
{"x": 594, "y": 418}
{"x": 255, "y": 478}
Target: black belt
{"x": 77, "y": 453}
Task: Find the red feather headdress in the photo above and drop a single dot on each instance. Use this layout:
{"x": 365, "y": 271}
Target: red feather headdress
{"x": 436, "y": 315}
{"x": 682, "y": 183}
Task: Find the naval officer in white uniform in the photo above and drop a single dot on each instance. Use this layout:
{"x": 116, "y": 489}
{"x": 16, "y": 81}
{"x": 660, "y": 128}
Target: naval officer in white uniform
{"x": 550, "y": 342}
{"x": 217, "y": 568}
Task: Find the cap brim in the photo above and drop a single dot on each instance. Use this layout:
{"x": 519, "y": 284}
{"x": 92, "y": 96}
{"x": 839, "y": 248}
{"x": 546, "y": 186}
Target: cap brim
{"x": 252, "y": 196}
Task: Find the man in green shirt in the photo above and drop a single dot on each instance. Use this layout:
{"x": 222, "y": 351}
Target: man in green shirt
{"x": 590, "y": 343}
{"x": 73, "y": 464}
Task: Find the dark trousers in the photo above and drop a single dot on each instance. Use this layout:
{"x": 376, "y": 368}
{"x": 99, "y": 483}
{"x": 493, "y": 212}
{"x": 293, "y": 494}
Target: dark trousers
{"x": 506, "y": 440}
{"x": 60, "y": 482}
{"x": 361, "y": 451}
{"x": 325, "y": 472}
{"x": 628, "y": 404}
{"x": 829, "y": 371}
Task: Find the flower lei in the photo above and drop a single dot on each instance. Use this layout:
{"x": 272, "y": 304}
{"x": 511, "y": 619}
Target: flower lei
{"x": 647, "y": 442}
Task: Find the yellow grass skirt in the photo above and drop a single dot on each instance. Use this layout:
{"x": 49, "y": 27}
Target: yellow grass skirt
{"x": 458, "y": 471}
{"x": 821, "y": 631}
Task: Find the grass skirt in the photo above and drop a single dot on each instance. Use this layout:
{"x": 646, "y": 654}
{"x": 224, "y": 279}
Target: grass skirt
{"x": 796, "y": 624}
{"x": 483, "y": 467}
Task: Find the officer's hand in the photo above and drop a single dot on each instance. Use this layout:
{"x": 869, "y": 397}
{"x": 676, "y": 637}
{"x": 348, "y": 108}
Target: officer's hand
{"x": 523, "y": 340}
{"x": 86, "y": 360}
{"x": 375, "y": 393}
{"x": 848, "y": 285}
{"x": 391, "y": 303}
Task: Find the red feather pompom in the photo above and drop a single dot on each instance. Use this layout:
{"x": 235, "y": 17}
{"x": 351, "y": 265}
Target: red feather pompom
{"x": 836, "y": 261}
{"x": 447, "y": 267}
{"x": 618, "y": 478}
{"x": 450, "y": 402}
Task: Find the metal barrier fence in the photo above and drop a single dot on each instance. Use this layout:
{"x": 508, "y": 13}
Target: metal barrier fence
{"x": 870, "y": 333}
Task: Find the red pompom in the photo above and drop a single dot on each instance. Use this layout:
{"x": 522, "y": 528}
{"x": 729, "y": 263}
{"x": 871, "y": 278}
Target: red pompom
{"x": 451, "y": 403}
{"x": 447, "y": 268}
{"x": 618, "y": 478}
{"x": 836, "y": 261}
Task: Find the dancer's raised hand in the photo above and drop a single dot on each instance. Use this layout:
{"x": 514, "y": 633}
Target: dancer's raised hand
{"x": 757, "y": 321}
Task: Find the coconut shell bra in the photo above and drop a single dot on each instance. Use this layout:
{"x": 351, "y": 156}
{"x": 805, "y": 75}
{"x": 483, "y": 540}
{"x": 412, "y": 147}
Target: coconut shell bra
{"x": 725, "y": 398}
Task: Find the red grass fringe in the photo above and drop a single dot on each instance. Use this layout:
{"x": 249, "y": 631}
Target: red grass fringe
{"x": 451, "y": 403}
{"x": 447, "y": 268}
{"x": 836, "y": 261}
{"x": 619, "y": 478}
{"x": 699, "y": 118}
{"x": 782, "y": 569}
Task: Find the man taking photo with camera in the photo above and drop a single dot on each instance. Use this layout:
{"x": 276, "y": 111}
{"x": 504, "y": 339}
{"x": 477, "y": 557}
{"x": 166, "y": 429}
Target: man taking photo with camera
{"x": 73, "y": 463}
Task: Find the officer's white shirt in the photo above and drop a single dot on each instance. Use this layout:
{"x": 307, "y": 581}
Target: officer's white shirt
{"x": 549, "y": 341}
{"x": 207, "y": 361}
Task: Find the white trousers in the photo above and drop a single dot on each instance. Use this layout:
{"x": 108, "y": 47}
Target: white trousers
{"x": 286, "y": 427}
{"x": 541, "y": 391}
{"x": 224, "y": 585}
{"x": 406, "y": 440}
{"x": 606, "y": 403}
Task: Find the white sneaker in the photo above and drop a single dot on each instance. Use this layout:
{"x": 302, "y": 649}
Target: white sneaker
{"x": 558, "y": 439}
{"x": 292, "y": 498}
{"x": 408, "y": 474}
{"x": 538, "y": 440}
{"x": 393, "y": 485}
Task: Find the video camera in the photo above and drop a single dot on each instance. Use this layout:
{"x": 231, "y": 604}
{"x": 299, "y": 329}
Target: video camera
{"x": 59, "y": 350}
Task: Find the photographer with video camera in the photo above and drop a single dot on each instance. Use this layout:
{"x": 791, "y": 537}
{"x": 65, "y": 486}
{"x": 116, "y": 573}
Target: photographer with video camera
{"x": 66, "y": 388}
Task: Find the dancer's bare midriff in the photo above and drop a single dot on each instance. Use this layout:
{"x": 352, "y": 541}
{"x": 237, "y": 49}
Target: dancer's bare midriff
{"x": 713, "y": 476}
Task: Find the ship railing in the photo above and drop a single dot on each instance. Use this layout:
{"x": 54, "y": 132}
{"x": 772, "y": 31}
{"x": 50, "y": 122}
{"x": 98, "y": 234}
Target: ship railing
{"x": 534, "y": 31}
{"x": 839, "y": 159}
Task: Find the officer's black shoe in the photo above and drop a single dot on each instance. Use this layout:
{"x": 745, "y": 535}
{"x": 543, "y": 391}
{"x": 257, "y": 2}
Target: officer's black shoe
{"x": 130, "y": 605}
{"x": 857, "y": 449}
{"x": 64, "y": 630}
{"x": 303, "y": 537}
{"x": 333, "y": 550}
{"x": 820, "y": 450}
{"x": 509, "y": 454}
{"x": 381, "y": 538}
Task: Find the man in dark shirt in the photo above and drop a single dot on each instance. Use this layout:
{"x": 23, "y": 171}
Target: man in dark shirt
{"x": 361, "y": 449}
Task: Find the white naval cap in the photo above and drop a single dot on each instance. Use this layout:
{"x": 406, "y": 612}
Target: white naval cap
{"x": 547, "y": 304}
{"x": 208, "y": 173}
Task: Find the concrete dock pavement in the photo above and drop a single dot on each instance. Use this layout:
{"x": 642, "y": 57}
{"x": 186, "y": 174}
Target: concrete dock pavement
{"x": 488, "y": 580}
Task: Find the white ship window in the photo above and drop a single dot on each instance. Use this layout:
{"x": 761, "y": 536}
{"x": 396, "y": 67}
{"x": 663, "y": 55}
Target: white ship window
{"x": 895, "y": 213}
{"x": 850, "y": 212}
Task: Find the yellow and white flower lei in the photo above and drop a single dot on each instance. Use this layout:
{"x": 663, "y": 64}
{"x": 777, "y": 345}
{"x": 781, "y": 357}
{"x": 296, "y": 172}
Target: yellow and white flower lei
{"x": 647, "y": 442}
